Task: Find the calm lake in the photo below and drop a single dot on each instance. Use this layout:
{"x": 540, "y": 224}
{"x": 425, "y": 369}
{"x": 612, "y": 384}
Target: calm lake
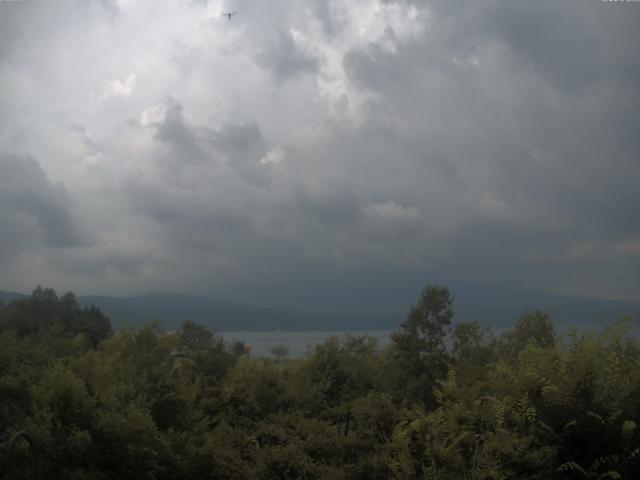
{"x": 298, "y": 342}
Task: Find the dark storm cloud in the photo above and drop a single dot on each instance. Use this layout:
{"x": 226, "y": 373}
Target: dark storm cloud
{"x": 34, "y": 212}
{"x": 284, "y": 58}
{"x": 240, "y": 140}
{"x": 9, "y": 35}
{"x": 241, "y": 146}
{"x": 110, "y": 6}
{"x": 332, "y": 205}
{"x": 178, "y": 208}
{"x": 572, "y": 58}
{"x": 93, "y": 262}
{"x": 269, "y": 28}
{"x": 528, "y": 115}
{"x": 329, "y": 142}
{"x": 322, "y": 10}
{"x": 574, "y": 44}
{"x": 173, "y": 130}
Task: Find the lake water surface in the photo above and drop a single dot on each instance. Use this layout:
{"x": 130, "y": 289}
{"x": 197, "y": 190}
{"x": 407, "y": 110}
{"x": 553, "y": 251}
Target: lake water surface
{"x": 297, "y": 341}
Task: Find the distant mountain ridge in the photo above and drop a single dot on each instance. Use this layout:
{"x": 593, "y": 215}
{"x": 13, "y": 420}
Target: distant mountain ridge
{"x": 491, "y": 308}
{"x": 10, "y": 296}
{"x": 221, "y": 315}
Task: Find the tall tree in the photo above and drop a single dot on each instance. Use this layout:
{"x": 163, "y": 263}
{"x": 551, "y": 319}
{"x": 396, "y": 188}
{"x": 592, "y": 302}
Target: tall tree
{"x": 420, "y": 343}
{"x": 535, "y": 327}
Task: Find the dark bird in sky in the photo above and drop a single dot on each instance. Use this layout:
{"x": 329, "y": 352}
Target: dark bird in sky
{"x": 229, "y": 14}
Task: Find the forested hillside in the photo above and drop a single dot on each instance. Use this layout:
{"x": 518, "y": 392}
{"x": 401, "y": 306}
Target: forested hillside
{"x": 445, "y": 400}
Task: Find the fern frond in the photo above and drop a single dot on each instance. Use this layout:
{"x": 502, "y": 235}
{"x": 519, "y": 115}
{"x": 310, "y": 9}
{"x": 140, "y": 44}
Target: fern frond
{"x": 610, "y": 474}
{"x": 596, "y": 416}
{"x": 571, "y": 467}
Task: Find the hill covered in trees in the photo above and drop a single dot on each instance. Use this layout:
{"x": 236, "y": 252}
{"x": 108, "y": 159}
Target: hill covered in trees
{"x": 442, "y": 401}
{"x": 488, "y": 306}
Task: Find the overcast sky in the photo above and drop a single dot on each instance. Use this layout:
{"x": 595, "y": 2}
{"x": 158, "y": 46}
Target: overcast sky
{"x": 320, "y": 150}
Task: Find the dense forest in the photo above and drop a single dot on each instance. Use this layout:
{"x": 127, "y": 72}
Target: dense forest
{"x": 445, "y": 400}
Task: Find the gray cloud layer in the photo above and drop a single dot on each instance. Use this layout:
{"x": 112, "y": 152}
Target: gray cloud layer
{"x": 33, "y": 212}
{"x": 308, "y": 153}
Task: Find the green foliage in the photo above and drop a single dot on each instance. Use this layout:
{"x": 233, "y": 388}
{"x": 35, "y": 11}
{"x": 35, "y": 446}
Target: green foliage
{"x": 419, "y": 346}
{"x": 44, "y": 314}
{"x": 253, "y": 391}
{"x": 150, "y": 404}
{"x": 535, "y": 327}
{"x": 279, "y": 351}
